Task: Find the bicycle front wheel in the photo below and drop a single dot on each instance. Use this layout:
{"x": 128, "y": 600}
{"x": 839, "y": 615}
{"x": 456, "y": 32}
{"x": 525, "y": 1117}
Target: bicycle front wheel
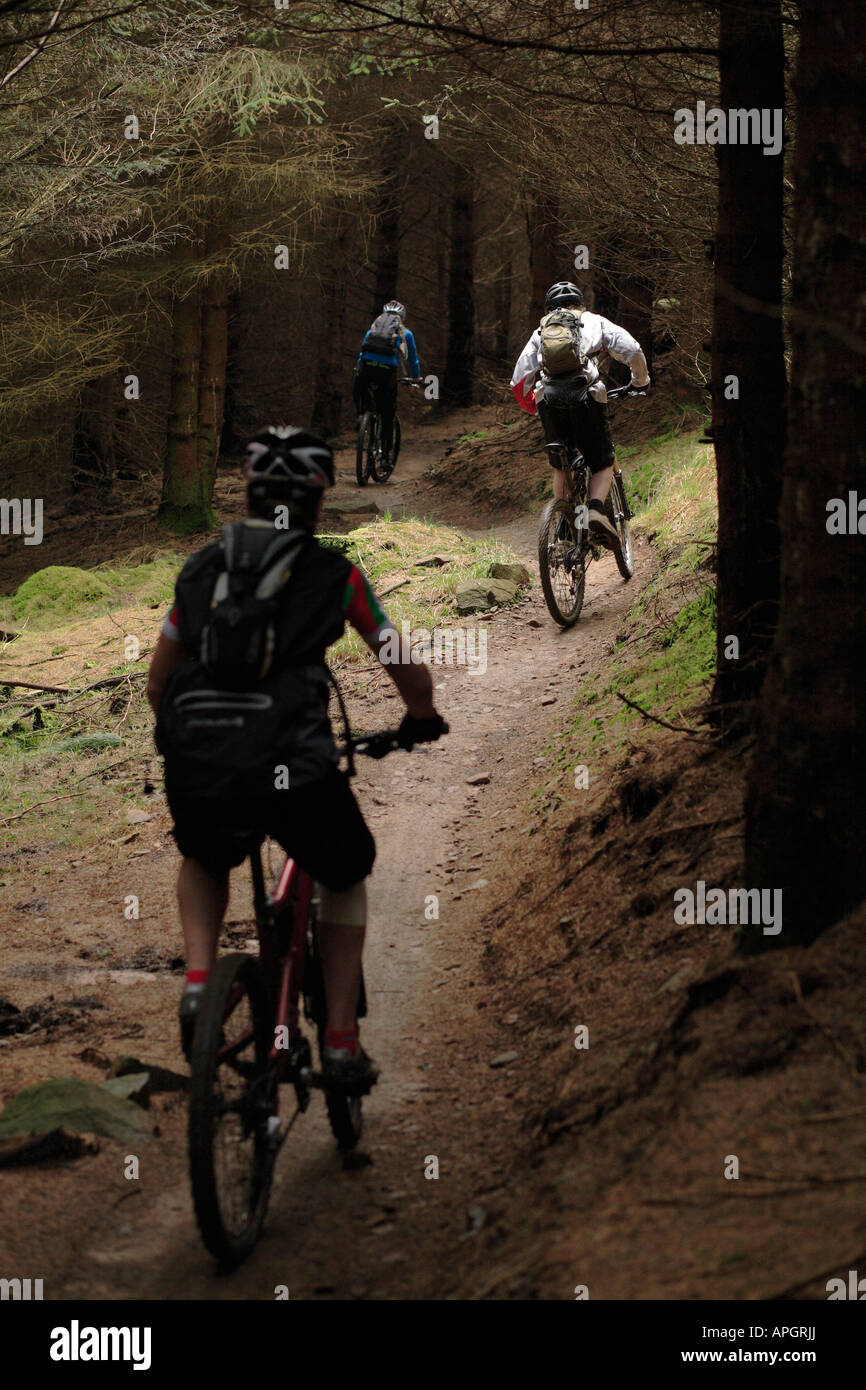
{"x": 562, "y": 561}
{"x": 233, "y": 1110}
{"x": 384, "y": 467}
{"x": 363, "y": 449}
{"x": 344, "y": 1112}
{"x": 616, "y": 510}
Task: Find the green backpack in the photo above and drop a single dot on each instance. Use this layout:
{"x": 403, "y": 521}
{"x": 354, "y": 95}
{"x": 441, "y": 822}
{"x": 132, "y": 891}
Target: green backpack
{"x": 560, "y": 342}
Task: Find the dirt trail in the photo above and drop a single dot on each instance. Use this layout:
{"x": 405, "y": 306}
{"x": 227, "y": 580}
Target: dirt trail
{"x": 379, "y": 1229}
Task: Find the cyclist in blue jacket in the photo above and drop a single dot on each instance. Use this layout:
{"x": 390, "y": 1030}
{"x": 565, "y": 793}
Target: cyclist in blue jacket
{"x": 387, "y": 345}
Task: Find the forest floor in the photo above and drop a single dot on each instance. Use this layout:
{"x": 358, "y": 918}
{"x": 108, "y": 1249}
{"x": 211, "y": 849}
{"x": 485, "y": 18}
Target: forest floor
{"x": 559, "y": 1167}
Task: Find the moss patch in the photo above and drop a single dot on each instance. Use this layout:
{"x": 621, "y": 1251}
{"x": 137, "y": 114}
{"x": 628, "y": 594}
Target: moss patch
{"x": 389, "y": 551}
{"x": 62, "y": 593}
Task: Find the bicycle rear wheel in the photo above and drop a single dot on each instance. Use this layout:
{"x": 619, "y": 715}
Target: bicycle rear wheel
{"x": 562, "y": 561}
{"x": 363, "y": 449}
{"x": 232, "y": 1102}
{"x": 617, "y": 512}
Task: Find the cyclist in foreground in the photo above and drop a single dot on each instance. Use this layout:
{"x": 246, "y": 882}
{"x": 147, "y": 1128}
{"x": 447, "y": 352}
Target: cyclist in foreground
{"x": 387, "y": 343}
{"x": 253, "y": 616}
{"x": 565, "y": 345}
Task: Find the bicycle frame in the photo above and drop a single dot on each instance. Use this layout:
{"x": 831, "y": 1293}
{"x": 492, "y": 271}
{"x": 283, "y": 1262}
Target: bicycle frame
{"x": 371, "y": 405}
{"x": 571, "y": 460}
{"x": 292, "y": 897}
{"x": 283, "y": 954}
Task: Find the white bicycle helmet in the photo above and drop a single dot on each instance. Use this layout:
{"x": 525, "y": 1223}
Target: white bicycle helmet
{"x": 286, "y": 465}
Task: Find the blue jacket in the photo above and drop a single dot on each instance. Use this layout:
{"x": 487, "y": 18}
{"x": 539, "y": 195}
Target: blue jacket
{"x": 408, "y": 351}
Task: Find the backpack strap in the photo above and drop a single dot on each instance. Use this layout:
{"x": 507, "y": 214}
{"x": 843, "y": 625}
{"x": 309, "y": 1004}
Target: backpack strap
{"x": 278, "y": 569}
{"x": 253, "y": 548}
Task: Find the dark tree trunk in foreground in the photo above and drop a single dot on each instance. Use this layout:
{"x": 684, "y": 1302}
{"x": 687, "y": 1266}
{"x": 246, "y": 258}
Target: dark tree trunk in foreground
{"x": 93, "y": 454}
{"x": 330, "y": 367}
{"x": 460, "y": 358}
{"x": 806, "y": 805}
{"x": 748, "y": 371}
{"x": 185, "y": 504}
{"x": 212, "y": 370}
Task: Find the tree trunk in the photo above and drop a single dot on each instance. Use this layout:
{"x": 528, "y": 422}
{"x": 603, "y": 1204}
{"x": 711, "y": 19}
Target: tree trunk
{"x": 545, "y": 266}
{"x": 635, "y": 310}
{"x": 606, "y": 297}
{"x": 387, "y": 245}
{"x": 748, "y": 369}
{"x": 330, "y": 367}
{"x": 129, "y": 461}
{"x": 502, "y": 287}
{"x": 229, "y": 439}
{"x": 460, "y": 357}
{"x": 440, "y": 349}
{"x": 212, "y": 371}
{"x": 185, "y": 504}
{"x": 93, "y": 457}
{"x": 806, "y": 804}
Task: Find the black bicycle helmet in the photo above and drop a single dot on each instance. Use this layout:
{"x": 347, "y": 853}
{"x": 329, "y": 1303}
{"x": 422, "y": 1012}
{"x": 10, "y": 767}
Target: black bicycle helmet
{"x": 287, "y": 466}
{"x": 562, "y": 293}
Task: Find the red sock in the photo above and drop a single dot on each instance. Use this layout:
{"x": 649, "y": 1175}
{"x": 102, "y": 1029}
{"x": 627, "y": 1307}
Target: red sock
{"x": 196, "y": 977}
{"x": 342, "y": 1037}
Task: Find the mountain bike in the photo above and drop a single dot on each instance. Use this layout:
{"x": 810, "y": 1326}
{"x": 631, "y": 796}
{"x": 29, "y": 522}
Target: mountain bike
{"x": 565, "y": 546}
{"x": 371, "y": 461}
{"x": 248, "y": 1043}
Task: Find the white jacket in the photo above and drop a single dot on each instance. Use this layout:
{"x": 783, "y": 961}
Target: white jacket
{"x": 597, "y": 334}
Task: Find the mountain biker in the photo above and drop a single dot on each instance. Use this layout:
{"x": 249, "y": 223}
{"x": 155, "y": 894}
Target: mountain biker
{"x": 587, "y": 421}
{"x": 376, "y": 367}
{"x": 316, "y": 818}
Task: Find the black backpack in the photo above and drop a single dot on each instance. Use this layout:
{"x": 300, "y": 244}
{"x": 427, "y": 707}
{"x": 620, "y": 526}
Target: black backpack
{"x": 238, "y": 640}
{"x": 227, "y": 718}
{"x": 385, "y": 335}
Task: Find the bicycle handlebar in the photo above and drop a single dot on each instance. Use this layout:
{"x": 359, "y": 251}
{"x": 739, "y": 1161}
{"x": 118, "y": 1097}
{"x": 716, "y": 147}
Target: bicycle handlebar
{"x": 411, "y": 381}
{"x": 372, "y": 745}
{"x": 628, "y": 390}
{"x": 375, "y": 745}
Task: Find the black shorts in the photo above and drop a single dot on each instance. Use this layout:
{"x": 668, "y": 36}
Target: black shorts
{"x": 376, "y": 385}
{"x": 585, "y": 426}
{"x": 320, "y": 825}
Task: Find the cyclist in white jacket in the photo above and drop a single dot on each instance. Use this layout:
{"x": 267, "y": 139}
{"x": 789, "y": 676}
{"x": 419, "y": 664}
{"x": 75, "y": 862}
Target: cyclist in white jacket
{"x": 588, "y": 421}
